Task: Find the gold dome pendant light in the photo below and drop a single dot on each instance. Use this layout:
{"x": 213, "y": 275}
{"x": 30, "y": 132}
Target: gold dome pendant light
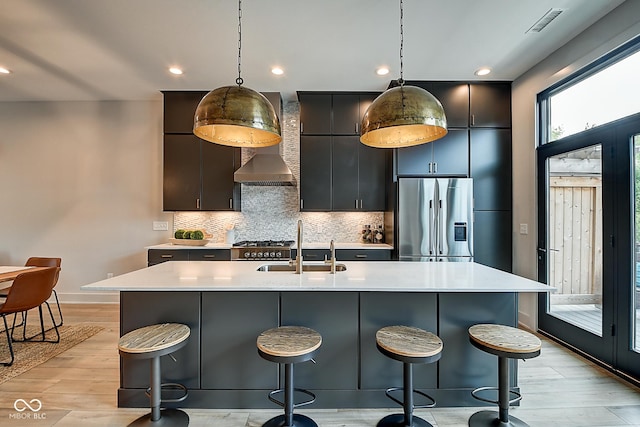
{"x": 403, "y": 116}
{"x": 237, "y": 116}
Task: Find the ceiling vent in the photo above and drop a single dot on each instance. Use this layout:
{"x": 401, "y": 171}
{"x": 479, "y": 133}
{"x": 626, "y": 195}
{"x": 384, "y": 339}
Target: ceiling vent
{"x": 545, "y": 20}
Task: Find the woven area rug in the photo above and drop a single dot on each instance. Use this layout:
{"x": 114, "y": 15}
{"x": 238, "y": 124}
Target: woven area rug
{"x": 31, "y": 354}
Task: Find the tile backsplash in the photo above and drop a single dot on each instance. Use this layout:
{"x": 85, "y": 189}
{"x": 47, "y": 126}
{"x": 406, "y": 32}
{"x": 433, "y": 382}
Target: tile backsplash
{"x": 273, "y": 212}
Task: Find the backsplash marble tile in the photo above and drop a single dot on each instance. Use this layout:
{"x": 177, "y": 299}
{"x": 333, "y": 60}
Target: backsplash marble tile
{"x": 273, "y": 212}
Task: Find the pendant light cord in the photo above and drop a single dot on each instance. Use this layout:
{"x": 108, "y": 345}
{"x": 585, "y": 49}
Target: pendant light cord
{"x": 239, "y": 80}
{"x": 401, "y": 81}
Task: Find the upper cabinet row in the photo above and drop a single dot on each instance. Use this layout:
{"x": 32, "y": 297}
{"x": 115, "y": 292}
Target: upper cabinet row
{"x": 337, "y": 172}
{"x": 198, "y": 175}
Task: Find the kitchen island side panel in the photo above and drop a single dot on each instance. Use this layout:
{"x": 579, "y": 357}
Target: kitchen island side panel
{"x": 139, "y": 309}
{"x": 378, "y": 310}
{"x": 232, "y": 322}
{"x": 335, "y": 316}
{"x": 466, "y": 366}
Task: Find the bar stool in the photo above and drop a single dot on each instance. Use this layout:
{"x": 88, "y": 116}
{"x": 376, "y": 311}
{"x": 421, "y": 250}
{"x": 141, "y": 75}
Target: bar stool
{"x": 408, "y": 345}
{"x": 507, "y": 343}
{"x": 288, "y": 345}
{"x": 152, "y": 342}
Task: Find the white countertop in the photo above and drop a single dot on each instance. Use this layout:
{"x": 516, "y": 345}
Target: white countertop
{"x": 325, "y": 245}
{"x": 381, "y": 276}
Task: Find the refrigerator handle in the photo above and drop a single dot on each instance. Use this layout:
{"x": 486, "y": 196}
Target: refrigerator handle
{"x": 440, "y": 228}
{"x": 432, "y": 225}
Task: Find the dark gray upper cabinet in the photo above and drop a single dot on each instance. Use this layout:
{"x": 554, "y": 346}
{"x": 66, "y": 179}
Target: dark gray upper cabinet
{"x": 198, "y": 175}
{"x": 179, "y": 110}
{"x": 315, "y": 113}
{"x": 359, "y": 175}
{"x": 490, "y": 104}
{"x": 315, "y": 173}
{"x": 446, "y": 156}
{"x": 454, "y": 97}
{"x": 337, "y": 172}
{"x": 491, "y": 168}
{"x": 340, "y": 113}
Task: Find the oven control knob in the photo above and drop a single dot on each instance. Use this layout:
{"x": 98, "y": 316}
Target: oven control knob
{"x": 253, "y": 254}
{"x": 259, "y": 254}
{"x": 278, "y": 254}
{"x": 247, "y": 254}
{"x": 272, "y": 254}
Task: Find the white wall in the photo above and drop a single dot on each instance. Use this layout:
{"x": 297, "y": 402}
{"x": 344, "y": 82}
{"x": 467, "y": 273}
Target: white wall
{"x": 618, "y": 27}
{"x": 81, "y": 181}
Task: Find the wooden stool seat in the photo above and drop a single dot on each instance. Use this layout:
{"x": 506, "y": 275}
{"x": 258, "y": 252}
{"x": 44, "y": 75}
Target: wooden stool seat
{"x": 408, "y": 341}
{"x": 154, "y": 338}
{"x": 288, "y": 345}
{"x": 409, "y": 345}
{"x": 505, "y": 339}
{"x": 152, "y": 342}
{"x": 506, "y": 342}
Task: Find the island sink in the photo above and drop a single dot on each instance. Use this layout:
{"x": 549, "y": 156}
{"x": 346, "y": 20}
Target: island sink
{"x": 305, "y": 267}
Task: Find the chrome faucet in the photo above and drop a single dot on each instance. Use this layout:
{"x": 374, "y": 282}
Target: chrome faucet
{"x": 332, "y": 261}
{"x": 299, "y": 246}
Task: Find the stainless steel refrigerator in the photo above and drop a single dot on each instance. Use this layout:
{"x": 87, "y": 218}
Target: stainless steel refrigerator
{"x": 435, "y": 219}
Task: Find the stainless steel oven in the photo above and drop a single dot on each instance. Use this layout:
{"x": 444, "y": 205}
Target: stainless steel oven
{"x": 254, "y": 250}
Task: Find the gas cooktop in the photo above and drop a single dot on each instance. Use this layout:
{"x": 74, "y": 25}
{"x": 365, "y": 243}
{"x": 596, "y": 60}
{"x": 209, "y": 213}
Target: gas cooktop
{"x": 264, "y": 244}
{"x": 261, "y": 250}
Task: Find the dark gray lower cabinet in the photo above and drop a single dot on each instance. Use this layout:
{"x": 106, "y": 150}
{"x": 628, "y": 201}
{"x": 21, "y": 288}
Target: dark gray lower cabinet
{"x": 378, "y": 310}
{"x": 335, "y": 316}
{"x": 345, "y": 254}
{"x": 156, "y": 256}
{"x": 233, "y": 321}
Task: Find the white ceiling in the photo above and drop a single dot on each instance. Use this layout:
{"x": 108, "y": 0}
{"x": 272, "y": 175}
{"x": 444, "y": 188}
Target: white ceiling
{"x": 121, "y": 49}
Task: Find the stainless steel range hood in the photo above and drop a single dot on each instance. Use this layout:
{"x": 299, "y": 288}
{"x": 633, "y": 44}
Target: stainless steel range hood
{"x": 266, "y": 167}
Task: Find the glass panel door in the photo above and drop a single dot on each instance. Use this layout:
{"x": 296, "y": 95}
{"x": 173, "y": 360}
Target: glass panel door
{"x": 635, "y": 294}
{"x": 575, "y": 237}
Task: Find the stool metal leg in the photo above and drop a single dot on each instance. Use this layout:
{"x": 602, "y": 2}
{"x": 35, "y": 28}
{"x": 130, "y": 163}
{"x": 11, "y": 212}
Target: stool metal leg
{"x": 289, "y": 419}
{"x": 406, "y": 419}
{"x": 155, "y": 389}
{"x": 158, "y": 418}
{"x": 502, "y": 417}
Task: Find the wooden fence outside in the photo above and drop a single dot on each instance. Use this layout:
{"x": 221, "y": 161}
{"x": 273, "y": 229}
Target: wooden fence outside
{"x": 575, "y": 241}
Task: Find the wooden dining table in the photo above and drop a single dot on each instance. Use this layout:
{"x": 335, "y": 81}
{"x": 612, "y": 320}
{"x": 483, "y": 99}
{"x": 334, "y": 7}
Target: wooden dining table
{"x": 10, "y": 272}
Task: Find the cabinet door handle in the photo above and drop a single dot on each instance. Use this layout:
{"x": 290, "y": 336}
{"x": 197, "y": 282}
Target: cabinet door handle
{"x": 357, "y": 128}
{"x": 473, "y": 120}
{"x": 166, "y": 256}
{"x": 356, "y": 203}
{"x": 198, "y": 203}
{"x": 360, "y": 203}
{"x": 435, "y": 167}
{"x": 301, "y": 127}
{"x": 230, "y": 203}
{"x": 360, "y": 256}
{"x": 430, "y": 168}
{"x": 301, "y": 204}
{"x": 311, "y": 256}
{"x": 209, "y": 256}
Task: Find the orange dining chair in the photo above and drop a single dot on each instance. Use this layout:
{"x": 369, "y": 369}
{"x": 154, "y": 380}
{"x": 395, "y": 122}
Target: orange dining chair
{"x": 29, "y": 290}
{"x": 48, "y": 262}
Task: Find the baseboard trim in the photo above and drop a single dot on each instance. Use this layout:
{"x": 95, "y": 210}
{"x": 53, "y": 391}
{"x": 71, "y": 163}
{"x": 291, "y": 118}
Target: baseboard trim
{"x": 89, "y": 297}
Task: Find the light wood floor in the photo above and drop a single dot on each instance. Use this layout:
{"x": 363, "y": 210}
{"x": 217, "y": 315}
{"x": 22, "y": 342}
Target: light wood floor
{"x": 78, "y": 388}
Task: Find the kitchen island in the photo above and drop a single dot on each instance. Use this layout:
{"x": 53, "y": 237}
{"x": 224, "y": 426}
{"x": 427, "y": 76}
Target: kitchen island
{"x": 228, "y": 304}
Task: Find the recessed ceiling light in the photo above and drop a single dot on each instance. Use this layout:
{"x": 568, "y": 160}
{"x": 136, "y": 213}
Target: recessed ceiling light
{"x": 382, "y": 71}
{"x": 482, "y": 71}
{"x": 175, "y": 70}
{"x": 4, "y": 71}
{"x": 277, "y": 71}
